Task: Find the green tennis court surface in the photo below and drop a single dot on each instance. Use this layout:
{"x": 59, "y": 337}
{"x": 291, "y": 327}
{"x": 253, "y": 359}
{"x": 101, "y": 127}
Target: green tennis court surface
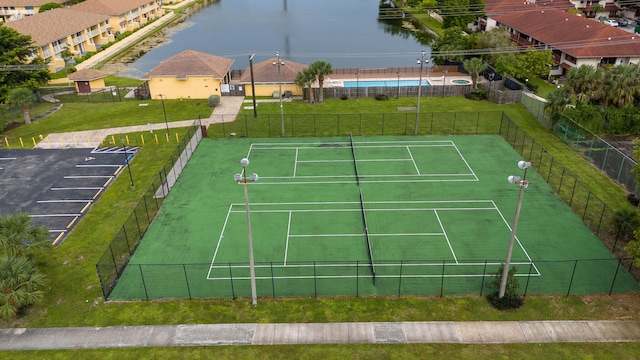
{"x": 380, "y": 215}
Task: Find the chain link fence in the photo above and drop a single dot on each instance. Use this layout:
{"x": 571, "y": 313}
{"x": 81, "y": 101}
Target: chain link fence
{"x": 311, "y": 279}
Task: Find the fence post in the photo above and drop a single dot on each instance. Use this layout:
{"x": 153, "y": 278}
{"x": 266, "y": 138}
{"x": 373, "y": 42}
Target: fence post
{"x": 233, "y": 292}
{"x": 400, "y": 280}
{"x": 484, "y": 273}
{"x": 615, "y": 275}
{"x": 526, "y": 287}
{"x": 186, "y": 279}
{"x": 357, "y": 278}
{"x": 126, "y": 239}
{"x": 315, "y": 281}
{"x": 273, "y": 281}
{"x": 575, "y": 265}
{"x": 586, "y": 206}
{"x": 135, "y": 214}
{"x": 144, "y": 285}
{"x": 442, "y": 280}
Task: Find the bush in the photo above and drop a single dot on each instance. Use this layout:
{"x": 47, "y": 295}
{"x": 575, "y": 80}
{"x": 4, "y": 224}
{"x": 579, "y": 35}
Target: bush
{"x": 477, "y": 94}
{"x": 214, "y": 100}
{"x": 344, "y": 97}
{"x": 633, "y": 200}
{"x": 382, "y": 97}
{"x": 511, "y": 299}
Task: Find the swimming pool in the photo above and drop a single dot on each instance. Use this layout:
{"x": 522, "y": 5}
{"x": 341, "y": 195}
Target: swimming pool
{"x": 384, "y": 83}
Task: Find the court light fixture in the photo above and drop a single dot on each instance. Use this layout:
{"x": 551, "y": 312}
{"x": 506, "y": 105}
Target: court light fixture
{"x": 242, "y": 178}
{"x": 513, "y": 179}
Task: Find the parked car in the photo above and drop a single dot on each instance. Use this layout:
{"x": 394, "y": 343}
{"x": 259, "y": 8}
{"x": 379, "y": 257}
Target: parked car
{"x": 611, "y": 22}
{"x": 623, "y": 22}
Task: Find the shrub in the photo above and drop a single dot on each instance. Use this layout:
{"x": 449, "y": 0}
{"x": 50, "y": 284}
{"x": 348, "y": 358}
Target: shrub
{"x": 214, "y": 100}
{"x": 382, "y": 97}
{"x": 344, "y": 97}
{"x": 477, "y": 94}
{"x": 633, "y": 200}
{"x": 511, "y": 299}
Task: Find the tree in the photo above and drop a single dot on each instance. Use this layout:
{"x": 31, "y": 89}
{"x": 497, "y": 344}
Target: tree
{"x": 524, "y": 65}
{"x": 474, "y": 66}
{"x": 511, "y": 299}
{"x": 453, "y": 43}
{"x": 320, "y": 69}
{"x": 23, "y": 98}
{"x": 585, "y": 84}
{"x": 17, "y": 50}
{"x": 621, "y": 85}
{"x": 49, "y": 6}
{"x": 495, "y": 42}
{"x": 557, "y": 102}
{"x": 305, "y": 79}
{"x": 20, "y": 237}
{"x": 460, "y": 13}
{"x": 20, "y": 282}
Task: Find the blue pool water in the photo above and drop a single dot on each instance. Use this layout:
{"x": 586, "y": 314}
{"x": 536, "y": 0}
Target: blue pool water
{"x": 383, "y": 83}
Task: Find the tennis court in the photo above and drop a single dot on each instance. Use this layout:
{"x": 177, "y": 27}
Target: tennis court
{"x": 365, "y": 215}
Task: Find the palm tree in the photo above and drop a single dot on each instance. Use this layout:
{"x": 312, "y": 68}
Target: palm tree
{"x": 20, "y": 237}
{"x": 20, "y": 282}
{"x": 622, "y": 85}
{"x": 586, "y": 84}
{"x": 305, "y": 79}
{"x": 22, "y": 97}
{"x": 474, "y": 66}
{"x": 557, "y": 101}
{"x": 320, "y": 69}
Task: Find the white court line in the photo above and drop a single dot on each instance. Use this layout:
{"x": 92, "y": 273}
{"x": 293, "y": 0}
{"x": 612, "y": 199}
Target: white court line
{"x": 465, "y": 161}
{"x": 295, "y": 164}
{"x": 445, "y": 236}
{"x": 215, "y": 253}
{"x": 413, "y": 160}
{"x": 286, "y": 246}
{"x": 516, "y": 238}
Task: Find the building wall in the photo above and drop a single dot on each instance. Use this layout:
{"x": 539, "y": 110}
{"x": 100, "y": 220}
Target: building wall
{"x": 268, "y": 89}
{"x": 96, "y": 85}
{"x": 197, "y": 87}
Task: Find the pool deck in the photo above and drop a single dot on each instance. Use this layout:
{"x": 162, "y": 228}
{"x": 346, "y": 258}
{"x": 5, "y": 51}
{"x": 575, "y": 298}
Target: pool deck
{"x": 337, "y": 80}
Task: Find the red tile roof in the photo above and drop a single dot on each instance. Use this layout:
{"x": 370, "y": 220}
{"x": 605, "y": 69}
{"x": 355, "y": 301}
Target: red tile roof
{"x": 572, "y": 34}
{"x": 499, "y": 7}
{"x": 191, "y": 63}
{"x": 266, "y": 72}
{"x": 87, "y": 75}
{"x": 110, "y": 7}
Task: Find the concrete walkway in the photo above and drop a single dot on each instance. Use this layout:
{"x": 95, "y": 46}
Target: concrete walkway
{"x": 474, "y": 332}
{"x": 225, "y": 112}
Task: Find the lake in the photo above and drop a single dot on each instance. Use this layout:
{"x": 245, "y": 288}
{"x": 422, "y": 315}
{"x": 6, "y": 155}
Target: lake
{"x": 345, "y": 33}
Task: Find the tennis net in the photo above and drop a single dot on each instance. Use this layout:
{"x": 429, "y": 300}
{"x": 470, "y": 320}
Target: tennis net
{"x": 355, "y": 162}
{"x": 366, "y": 235}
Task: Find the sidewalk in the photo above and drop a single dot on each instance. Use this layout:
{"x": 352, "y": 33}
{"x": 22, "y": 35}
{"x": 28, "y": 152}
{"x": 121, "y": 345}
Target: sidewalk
{"x": 473, "y": 332}
{"x": 225, "y": 112}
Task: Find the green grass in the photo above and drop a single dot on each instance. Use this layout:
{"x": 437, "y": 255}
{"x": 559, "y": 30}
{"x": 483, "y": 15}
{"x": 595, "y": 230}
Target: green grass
{"x": 74, "y": 297}
{"x": 119, "y": 81}
{"x": 91, "y": 116}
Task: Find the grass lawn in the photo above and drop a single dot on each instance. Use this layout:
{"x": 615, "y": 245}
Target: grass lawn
{"x": 75, "y": 299}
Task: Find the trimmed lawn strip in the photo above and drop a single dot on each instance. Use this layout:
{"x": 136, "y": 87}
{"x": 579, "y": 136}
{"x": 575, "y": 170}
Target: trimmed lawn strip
{"x": 351, "y": 351}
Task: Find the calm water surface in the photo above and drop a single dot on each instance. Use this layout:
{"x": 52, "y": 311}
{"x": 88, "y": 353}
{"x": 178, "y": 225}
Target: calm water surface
{"x": 346, "y": 33}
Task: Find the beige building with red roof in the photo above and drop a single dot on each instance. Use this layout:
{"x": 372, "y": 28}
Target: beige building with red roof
{"x": 88, "y": 80}
{"x": 124, "y": 15}
{"x": 189, "y": 75}
{"x": 265, "y": 78}
{"x": 17, "y": 9}
{"x": 574, "y": 40}
{"x": 56, "y": 30}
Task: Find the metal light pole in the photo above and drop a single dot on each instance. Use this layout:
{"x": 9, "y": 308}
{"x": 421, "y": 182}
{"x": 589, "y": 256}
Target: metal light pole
{"x": 126, "y": 161}
{"x": 253, "y": 87}
{"x": 164, "y": 110}
{"x": 278, "y": 62}
{"x": 444, "y": 81}
{"x": 421, "y": 62}
{"x": 242, "y": 178}
{"x": 524, "y": 165}
{"x": 492, "y": 75}
{"x": 357, "y": 86}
